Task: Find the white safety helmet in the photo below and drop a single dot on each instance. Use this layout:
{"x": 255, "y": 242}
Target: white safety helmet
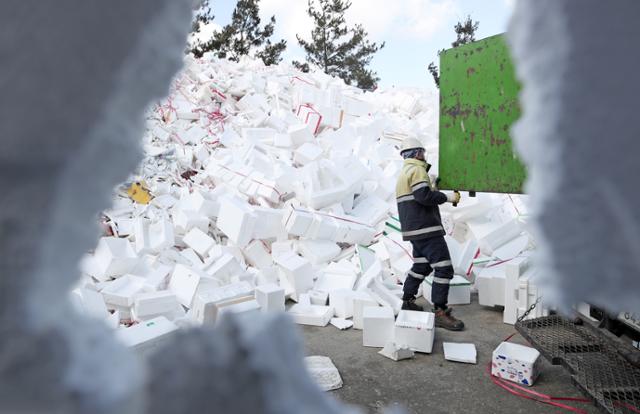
{"x": 409, "y": 144}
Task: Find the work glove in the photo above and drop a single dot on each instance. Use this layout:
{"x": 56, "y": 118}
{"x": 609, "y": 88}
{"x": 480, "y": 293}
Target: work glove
{"x": 453, "y": 198}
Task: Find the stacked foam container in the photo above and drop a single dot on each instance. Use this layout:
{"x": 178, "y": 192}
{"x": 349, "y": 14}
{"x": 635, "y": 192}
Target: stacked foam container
{"x": 269, "y": 185}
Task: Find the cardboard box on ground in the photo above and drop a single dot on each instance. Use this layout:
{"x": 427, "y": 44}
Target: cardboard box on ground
{"x": 281, "y": 185}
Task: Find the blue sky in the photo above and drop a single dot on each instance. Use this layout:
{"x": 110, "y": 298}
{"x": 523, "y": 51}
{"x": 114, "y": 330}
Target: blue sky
{"x": 414, "y": 30}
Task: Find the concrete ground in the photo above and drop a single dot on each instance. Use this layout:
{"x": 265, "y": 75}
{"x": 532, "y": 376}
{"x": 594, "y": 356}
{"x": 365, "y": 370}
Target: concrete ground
{"x": 429, "y": 383}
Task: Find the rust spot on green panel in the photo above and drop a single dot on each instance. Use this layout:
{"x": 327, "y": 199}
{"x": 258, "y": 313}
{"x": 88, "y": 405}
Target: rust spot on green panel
{"x": 478, "y": 105}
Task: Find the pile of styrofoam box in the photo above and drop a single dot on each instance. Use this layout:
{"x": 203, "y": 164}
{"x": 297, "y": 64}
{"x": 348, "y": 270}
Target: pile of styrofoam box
{"x": 268, "y": 184}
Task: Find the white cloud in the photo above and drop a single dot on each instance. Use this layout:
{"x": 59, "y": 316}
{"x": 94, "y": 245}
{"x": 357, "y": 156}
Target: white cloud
{"x": 291, "y": 18}
{"x": 383, "y": 19}
{"x": 407, "y": 19}
{"x": 510, "y": 4}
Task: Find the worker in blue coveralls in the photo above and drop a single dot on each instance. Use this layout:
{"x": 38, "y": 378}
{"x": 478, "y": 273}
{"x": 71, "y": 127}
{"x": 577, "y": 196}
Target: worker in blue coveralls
{"x": 418, "y": 202}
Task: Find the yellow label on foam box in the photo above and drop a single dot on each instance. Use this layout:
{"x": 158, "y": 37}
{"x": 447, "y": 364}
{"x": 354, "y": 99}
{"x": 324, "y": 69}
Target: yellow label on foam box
{"x": 139, "y": 193}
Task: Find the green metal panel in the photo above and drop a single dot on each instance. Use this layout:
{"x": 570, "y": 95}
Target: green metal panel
{"x": 478, "y": 105}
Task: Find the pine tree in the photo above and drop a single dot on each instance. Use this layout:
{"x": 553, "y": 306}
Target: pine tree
{"x": 337, "y": 49}
{"x": 465, "y": 33}
{"x": 244, "y": 36}
{"x": 203, "y": 17}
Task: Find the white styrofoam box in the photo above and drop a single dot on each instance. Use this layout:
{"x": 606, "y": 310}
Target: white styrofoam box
{"x": 270, "y": 190}
{"x": 185, "y": 110}
{"x": 268, "y": 223}
{"x": 198, "y": 202}
{"x": 460, "y": 352}
{"x": 514, "y": 269}
{"x": 121, "y": 292}
{"x": 318, "y": 198}
{"x": 218, "y": 251}
{"x": 491, "y": 285}
{"x": 512, "y": 248}
{"x": 267, "y": 275}
{"x": 304, "y": 299}
{"x": 358, "y": 234}
{"x": 141, "y": 235}
{"x": 343, "y": 301}
{"x": 383, "y": 295}
{"x": 396, "y": 247}
{"x": 161, "y": 235}
{"x": 92, "y": 303}
{"x": 373, "y": 272}
{"x": 297, "y": 271}
{"x": 224, "y": 268}
{"x": 164, "y": 201}
{"x": 318, "y": 297}
{"x": 156, "y": 279}
{"x": 359, "y": 304}
{"x": 270, "y": 297}
{"x": 204, "y": 308}
{"x": 199, "y": 241}
{"x": 236, "y": 220}
{"x": 257, "y": 254}
{"x": 314, "y": 315}
{"x": 366, "y": 257}
{"x": 113, "y": 320}
{"x": 395, "y": 352}
{"x": 299, "y": 134}
{"x": 283, "y": 247}
{"x": 415, "y": 330}
{"x": 192, "y": 257}
{"x": 492, "y": 235}
{"x": 124, "y": 313}
{"x": 282, "y": 141}
{"x": 463, "y": 263}
{"x": 114, "y": 257}
{"x": 357, "y": 107}
{"x": 370, "y": 210}
{"x": 311, "y": 117}
{"x": 247, "y": 308}
{"x": 184, "y": 221}
{"x": 257, "y": 135}
{"x": 472, "y": 208}
{"x": 459, "y": 290}
{"x": 154, "y": 303}
{"x": 184, "y": 283}
{"x": 307, "y": 153}
{"x": 341, "y": 323}
{"x": 322, "y": 228}
{"x": 517, "y": 363}
{"x": 318, "y": 251}
{"x": 329, "y": 281}
{"x": 401, "y": 265}
{"x": 378, "y": 326}
{"x": 381, "y": 250}
{"x": 528, "y": 295}
{"x": 297, "y": 222}
{"x": 194, "y": 135}
{"x": 146, "y": 336}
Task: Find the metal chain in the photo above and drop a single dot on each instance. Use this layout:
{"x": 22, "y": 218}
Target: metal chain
{"x": 528, "y": 311}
